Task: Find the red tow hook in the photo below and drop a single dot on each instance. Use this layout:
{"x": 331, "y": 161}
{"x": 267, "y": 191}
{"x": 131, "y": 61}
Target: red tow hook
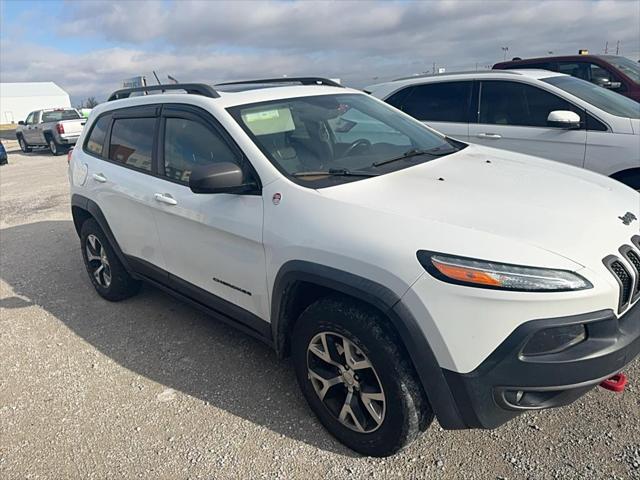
{"x": 617, "y": 383}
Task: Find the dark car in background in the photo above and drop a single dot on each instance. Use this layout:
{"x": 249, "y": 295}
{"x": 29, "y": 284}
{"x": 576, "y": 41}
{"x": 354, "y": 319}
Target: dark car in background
{"x": 616, "y": 73}
{"x": 3, "y": 155}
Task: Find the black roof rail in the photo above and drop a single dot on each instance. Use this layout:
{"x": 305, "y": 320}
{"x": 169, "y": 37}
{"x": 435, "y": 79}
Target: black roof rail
{"x": 192, "y": 88}
{"x": 285, "y": 80}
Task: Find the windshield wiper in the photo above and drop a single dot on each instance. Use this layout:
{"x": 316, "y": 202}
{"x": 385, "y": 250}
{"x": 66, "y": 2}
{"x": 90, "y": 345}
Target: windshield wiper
{"x": 336, "y": 172}
{"x": 414, "y": 152}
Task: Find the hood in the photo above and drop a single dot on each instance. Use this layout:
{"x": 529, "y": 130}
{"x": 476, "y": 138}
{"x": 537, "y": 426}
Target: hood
{"x": 562, "y": 209}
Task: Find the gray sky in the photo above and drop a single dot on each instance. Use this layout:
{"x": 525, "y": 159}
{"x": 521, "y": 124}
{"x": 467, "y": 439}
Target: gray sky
{"x": 89, "y": 47}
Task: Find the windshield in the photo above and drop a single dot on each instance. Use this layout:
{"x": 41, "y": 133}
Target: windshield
{"x": 330, "y": 139}
{"x": 58, "y": 115}
{"x": 599, "y": 97}
{"x": 630, "y": 68}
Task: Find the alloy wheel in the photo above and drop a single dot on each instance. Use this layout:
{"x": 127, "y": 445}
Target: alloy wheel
{"x": 98, "y": 261}
{"x": 346, "y": 382}
{"x": 53, "y": 147}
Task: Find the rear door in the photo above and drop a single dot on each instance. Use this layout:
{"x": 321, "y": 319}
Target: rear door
{"x": 120, "y": 155}
{"x": 513, "y": 116}
{"x": 212, "y": 243}
{"x": 444, "y": 106}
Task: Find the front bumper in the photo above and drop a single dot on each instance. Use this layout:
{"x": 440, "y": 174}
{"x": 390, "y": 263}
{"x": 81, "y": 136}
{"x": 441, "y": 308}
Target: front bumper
{"x": 508, "y": 382}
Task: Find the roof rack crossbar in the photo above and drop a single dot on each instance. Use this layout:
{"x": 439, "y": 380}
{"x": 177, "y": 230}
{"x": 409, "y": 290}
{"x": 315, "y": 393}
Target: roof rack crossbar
{"x": 285, "y": 80}
{"x": 192, "y": 88}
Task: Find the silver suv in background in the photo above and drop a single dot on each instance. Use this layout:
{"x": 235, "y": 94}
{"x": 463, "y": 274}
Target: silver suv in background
{"x": 56, "y": 128}
{"x": 535, "y": 112}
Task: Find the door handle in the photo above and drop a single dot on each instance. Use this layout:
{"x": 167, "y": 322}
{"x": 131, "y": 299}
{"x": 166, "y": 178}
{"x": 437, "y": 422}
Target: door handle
{"x": 99, "y": 177}
{"x": 493, "y": 136}
{"x": 165, "y": 198}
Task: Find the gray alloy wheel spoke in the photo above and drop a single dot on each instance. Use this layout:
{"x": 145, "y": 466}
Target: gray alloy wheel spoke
{"x": 321, "y": 350}
{"x": 371, "y": 402}
{"x": 347, "y": 413}
{"x": 321, "y": 384}
{"x": 355, "y": 358}
{"x": 335, "y": 364}
{"x": 98, "y": 261}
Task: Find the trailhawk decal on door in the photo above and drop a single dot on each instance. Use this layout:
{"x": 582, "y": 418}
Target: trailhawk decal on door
{"x": 226, "y": 284}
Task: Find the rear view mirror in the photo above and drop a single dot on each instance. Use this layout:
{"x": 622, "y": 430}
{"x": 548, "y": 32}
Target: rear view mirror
{"x": 563, "y": 119}
{"x": 222, "y": 177}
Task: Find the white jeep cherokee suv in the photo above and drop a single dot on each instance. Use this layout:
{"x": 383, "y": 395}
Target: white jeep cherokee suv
{"x": 407, "y": 274}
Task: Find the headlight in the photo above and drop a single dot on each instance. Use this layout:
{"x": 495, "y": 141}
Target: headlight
{"x": 500, "y": 276}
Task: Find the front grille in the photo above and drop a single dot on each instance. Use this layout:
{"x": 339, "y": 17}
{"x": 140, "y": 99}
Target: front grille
{"x": 634, "y": 259}
{"x": 625, "y": 279}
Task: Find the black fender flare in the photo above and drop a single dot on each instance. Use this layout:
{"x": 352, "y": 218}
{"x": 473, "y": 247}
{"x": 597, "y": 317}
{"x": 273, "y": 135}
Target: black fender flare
{"x": 430, "y": 373}
{"x": 83, "y": 203}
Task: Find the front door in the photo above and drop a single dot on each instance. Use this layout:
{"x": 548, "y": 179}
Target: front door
{"x": 513, "y": 116}
{"x": 210, "y": 241}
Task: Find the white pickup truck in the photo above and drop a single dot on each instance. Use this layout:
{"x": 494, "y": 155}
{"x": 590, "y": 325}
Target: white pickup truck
{"x": 56, "y": 128}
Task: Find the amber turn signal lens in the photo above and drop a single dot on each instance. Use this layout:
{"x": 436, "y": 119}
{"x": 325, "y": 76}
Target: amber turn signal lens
{"x": 467, "y": 275}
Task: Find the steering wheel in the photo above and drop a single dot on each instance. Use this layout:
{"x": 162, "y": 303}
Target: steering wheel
{"x": 361, "y": 142}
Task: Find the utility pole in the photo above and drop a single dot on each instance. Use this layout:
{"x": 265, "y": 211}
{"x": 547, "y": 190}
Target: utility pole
{"x": 618, "y": 47}
{"x": 606, "y": 47}
{"x": 505, "y": 50}
{"x": 434, "y": 68}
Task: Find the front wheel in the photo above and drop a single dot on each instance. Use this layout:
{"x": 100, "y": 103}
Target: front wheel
{"x": 23, "y": 145}
{"x": 356, "y": 377}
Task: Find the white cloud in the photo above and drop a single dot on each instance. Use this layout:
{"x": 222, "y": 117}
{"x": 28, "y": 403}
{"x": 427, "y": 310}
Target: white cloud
{"x": 357, "y": 41}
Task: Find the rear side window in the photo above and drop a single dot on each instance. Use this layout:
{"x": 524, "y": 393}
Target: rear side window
{"x": 189, "y": 144}
{"x": 95, "y": 141}
{"x": 439, "y": 102}
{"x": 58, "y": 115}
{"x": 575, "y": 69}
{"x": 514, "y": 103}
{"x": 132, "y": 142}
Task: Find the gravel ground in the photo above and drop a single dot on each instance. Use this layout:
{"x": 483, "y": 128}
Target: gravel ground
{"x": 151, "y": 388}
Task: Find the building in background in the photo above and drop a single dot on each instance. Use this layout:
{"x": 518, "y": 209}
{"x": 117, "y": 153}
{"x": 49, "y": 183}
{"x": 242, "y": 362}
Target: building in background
{"x": 17, "y": 100}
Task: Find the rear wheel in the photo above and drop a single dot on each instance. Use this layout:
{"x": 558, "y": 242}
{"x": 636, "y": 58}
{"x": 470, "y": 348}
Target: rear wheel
{"x": 54, "y": 147}
{"x": 23, "y": 144}
{"x": 357, "y": 378}
{"x": 107, "y": 274}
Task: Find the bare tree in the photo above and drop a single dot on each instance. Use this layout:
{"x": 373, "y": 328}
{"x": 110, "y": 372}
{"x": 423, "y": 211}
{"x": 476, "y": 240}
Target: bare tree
{"x": 91, "y": 102}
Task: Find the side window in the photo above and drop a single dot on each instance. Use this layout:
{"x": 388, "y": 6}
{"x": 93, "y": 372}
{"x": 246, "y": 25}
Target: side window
{"x": 440, "y": 102}
{"x": 513, "y": 103}
{"x": 95, "y": 140}
{"x": 132, "y": 142}
{"x": 575, "y": 69}
{"x": 29, "y": 119}
{"x": 397, "y": 99}
{"x": 189, "y": 144}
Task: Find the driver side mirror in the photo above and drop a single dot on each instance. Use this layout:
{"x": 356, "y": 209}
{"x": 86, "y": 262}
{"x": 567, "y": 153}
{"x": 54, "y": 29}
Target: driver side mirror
{"x": 21, "y": 122}
{"x": 564, "y": 119}
{"x": 222, "y": 177}
{"x": 606, "y": 83}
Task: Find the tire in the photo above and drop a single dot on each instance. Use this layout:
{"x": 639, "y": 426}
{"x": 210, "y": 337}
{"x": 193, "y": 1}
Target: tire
{"x": 401, "y": 412}
{"x": 107, "y": 274}
{"x": 23, "y": 145}
{"x": 54, "y": 147}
